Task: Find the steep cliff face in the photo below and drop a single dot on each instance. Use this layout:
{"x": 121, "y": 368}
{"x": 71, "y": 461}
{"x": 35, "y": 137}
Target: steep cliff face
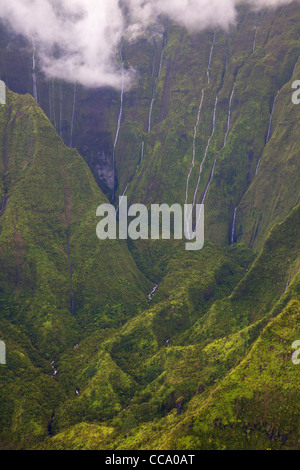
{"x": 204, "y": 361}
{"x": 196, "y": 126}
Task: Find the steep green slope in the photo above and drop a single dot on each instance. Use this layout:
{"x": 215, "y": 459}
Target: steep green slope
{"x": 210, "y": 385}
{"x": 57, "y": 278}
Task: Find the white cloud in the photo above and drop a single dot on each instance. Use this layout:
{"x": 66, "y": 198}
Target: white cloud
{"x": 85, "y": 34}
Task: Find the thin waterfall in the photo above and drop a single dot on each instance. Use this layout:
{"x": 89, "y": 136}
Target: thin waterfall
{"x": 269, "y": 130}
{"x": 154, "y": 86}
{"x": 207, "y": 148}
{"x": 271, "y": 118}
{"x": 209, "y": 183}
{"x": 73, "y": 114}
{"x": 254, "y": 42}
{"x": 225, "y": 141}
{"x": 194, "y": 145}
{"x": 142, "y": 153}
{"x": 118, "y": 127}
{"x": 121, "y": 198}
{"x": 287, "y": 284}
{"x": 196, "y": 131}
{"x": 233, "y": 226}
{"x": 203, "y": 161}
{"x": 210, "y": 57}
{"x": 151, "y": 107}
{"x": 34, "y": 79}
{"x": 229, "y": 114}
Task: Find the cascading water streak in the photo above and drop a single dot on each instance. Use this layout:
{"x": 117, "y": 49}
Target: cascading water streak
{"x": 209, "y": 183}
{"x": 195, "y": 136}
{"x": 254, "y": 42}
{"x": 142, "y": 153}
{"x": 269, "y": 130}
{"x": 233, "y": 226}
{"x": 194, "y": 145}
{"x": 207, "y": 148}
{"x": 154, "y": 86}
{"x": 118, "y": 128}
{"x": 229, "y": 115}
{"x": 210, "y": 57}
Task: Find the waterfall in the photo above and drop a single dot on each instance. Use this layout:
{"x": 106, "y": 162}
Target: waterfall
{"x": 142, "y": 153}
{"x": 154, "y": 85}
{"x": 229, "y": 115}
{"x": 203, "y": 160}
{"x": 271, "y": 118}
{"x": 269, "y": 130}
{"x": 225, "y": 140}
{"x": 73, "y": 115}
{"x": 254, "y": 42}
{"x": 151, "y": 107}
{"x": 287, "y": 284}
{"x": 209, "y": 183}
{"x": 233, "y": 226}
{"x": 118, "y": 127}
{"x": 34, "y": 80}
{"x": 207, "y": 148}
{"x": 194, "y": 145}
{"x": 150, "y": 296}
{"x": 195, "y": 136}
{"x": 210, "y": 57}
{"x": 121, "y": 199}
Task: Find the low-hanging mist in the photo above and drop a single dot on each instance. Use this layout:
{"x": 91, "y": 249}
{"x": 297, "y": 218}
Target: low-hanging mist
{"x": 80, "y": 39}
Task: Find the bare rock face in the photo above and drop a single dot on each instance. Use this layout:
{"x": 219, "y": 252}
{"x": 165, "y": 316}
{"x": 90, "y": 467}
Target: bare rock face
{"x": 104, "y": 170}
{"x": 179, "y": 405}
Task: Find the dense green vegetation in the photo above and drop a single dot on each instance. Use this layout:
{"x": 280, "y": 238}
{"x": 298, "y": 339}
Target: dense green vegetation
{"x": 206, "y": 363}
